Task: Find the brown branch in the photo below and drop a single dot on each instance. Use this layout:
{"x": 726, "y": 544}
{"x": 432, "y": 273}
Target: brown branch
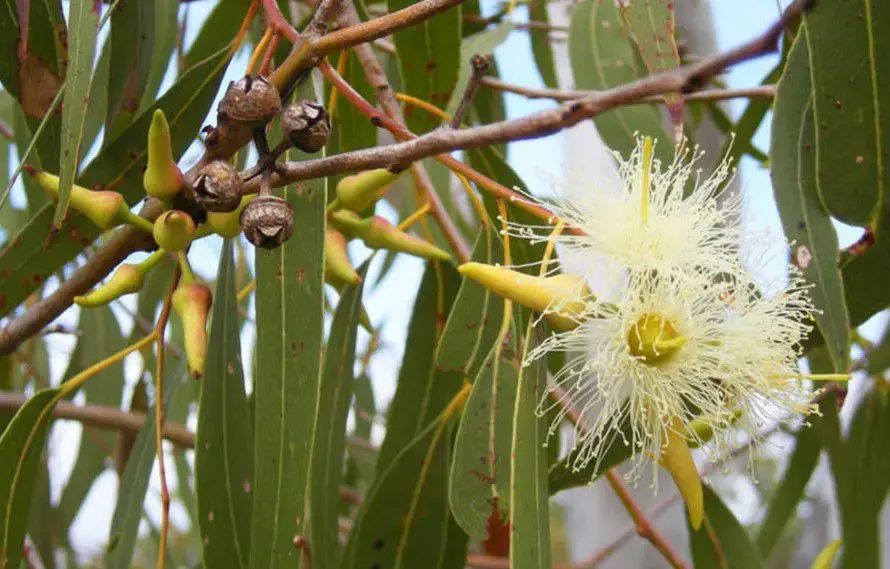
{"x": 119, "y": 247}
{"x": 390, "y": 105}
{"x": 103, "y": 417}
{"x": 438, "y": 143}
{"x": 768, "y": 91}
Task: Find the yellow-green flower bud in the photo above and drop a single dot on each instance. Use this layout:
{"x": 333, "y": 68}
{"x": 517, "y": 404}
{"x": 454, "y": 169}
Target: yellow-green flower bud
{"x": 677, "y": 460}
{"x": 561, "y": 298}
{"x": 361, "y": 190}
{"x": 381, "y": 234}
{"x": 174, "y": 230}
{"x": 192, "y": 303}
{"x": 825, "y": 559}
{"x": 337, "y": 268}
{"x": 228, "y": 225}
{"x": 125, "y": 280}
{"x": 104, "y": 208}
{"x": 162, "y": 179}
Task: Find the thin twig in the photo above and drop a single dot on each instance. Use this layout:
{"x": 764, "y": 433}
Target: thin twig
{"x": 390, "y": 105}
{"x": 160, "y": 328}
{"x": 768, "y": 91}
{"x": 479, "y": 65}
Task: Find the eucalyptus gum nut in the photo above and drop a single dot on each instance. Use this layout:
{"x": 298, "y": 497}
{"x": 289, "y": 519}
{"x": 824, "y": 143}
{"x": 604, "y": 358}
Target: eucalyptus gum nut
{"x": 125, "y": 280}
{"x": 307, "y": 125}
{"x": 192, "y": 303}
{"x": 162, "y": 178}
{"x": 267, "y": 221}
{"x": 250, "y": 100}
{"x": 381, "y": 234}
{"x": 557, "y": 297}
{"x": 337, "y": 266}
{"x": 358, "y": 191}
{"x": 218, "y": 187}
{"x": 174, "y": 230}
{"x": 104, "y": 208}
{"x": 677, "y": 460}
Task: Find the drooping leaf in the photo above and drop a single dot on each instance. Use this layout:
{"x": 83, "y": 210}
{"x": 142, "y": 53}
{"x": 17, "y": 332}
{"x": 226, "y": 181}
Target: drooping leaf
{"x": 20, "y": 447}
{"x": 414, "y": 436}
{"x": 480, "y": 470}
{"x": 289, "y": 309}
{"x": 217, "y": 30}
{"x": 529, "y": 510}
{"x": 568, "y": 473}
{"x": 473, "y": 323}
{"x": 850, "y": 112}
{"x": 42, "y": 520}
{"x": 542, "y": 50}
{"x": 721, "y": 542}
{"x": 867, "y": 467}
{"x": 28, "y": 259}
{"x": 132, "y": 47}
{"x": 861, "y": 270}
{"x": 330, "y": 427}
{"x": 428, "y": 61}
{"x": 602, "y": 56}
{"x": 224, "y": 440}
{"x": 82, "y": 30}
{"x": 166, "y": 23}
{"x": 100, "y": 336}
{"x": 790, "y": 490}
{"x": 131, "y": 494}
{"x": 806, "y": 223}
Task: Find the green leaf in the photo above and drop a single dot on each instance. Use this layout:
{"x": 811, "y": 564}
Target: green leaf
{"x": 42, "y": 519}
{"x": 850, "y": 107}
{"x": 423, "y": 391}
{"x": 602, "y": 57}
{"x": 480, "y": 471}
{"x": 483, "y": 44}
{"x": 132, "y": 47}
{"x": 806, "y": 223}
{"x": 862, "y": 271}
{"x": 428, "y": 61}
{"x": 100, "y": 336}
{"x": 404, "y": 519}
{"x": 133, "y": 486}
{"x": 82, "y": 30}
{"x": 651, "y": 25}
{"x": 28, "y": 258}
{"x": 289, "y": 311}
{"x": 567, "y": 473}
{"x": 721, "y": 543}
{"x": 790, "y": 490}
{"x": 20, "y": 448}
{"x": 350, "y": 130}
{"x": 224, "y": 440}
{"x": 326, "y": 466}
{"x": 879, "y": 357}
{"x": 473, "y": 322}
{"x": 867, "y": 467}
{"x": 529, "y": 509}
{"x": 166, "y": 23}
{"x": 540, "y": 40}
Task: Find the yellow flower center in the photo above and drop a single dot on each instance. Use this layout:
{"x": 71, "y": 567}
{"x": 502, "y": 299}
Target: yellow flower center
{"x": 654, "y": 340}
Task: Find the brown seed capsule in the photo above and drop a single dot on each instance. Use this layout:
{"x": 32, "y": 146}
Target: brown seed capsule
{"x": 267, "y": 221}
{"x": 307, "y": 125}
{"x": 250, "y": 100}
{"x": 218, "y": 187}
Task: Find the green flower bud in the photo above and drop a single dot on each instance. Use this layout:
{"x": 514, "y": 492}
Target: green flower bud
{"x": 192, "y": 303}
{"x": 228, "y": 225}
{"x": 337, "y": 268}
{"x": 361, "y": 190}
{"x": 174, "y": 230}
{"x": 560, "y": 297}
{"x": 104, "y": 208}
{"x": 162, "y": 178}
{"x": 125, "y": 280}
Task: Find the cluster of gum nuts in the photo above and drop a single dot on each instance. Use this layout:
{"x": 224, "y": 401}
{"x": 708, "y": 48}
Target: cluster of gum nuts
{"x": 215, "y": 204}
